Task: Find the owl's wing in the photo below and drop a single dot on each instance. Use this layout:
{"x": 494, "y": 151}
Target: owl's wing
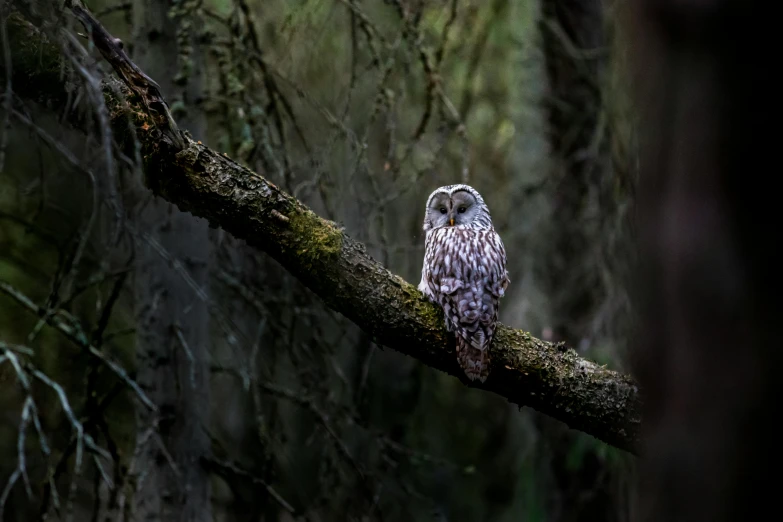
{"x": 428, "y": 285}
{"x": 499, "y": 280}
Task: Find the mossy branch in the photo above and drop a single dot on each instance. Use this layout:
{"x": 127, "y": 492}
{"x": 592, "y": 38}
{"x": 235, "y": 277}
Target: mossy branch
{"x": 525, "y": 370}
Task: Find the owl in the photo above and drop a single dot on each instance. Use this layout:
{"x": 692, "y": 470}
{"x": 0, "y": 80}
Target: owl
{"x": 464, "y": 271}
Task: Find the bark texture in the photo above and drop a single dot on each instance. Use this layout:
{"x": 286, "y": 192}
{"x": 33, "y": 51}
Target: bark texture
{"x": 525, "y": 370}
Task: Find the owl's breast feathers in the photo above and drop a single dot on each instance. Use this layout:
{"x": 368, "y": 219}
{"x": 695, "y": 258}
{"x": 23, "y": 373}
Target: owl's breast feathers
{"x": 465, "y": 272}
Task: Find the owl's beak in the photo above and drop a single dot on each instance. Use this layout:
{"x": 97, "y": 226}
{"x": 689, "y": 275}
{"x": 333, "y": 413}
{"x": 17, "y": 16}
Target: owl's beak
{"x": 451, "y": 222}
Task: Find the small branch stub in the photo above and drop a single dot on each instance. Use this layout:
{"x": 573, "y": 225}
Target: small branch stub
{"x": 280, "y": 216}
{"x": 112, "y": 50}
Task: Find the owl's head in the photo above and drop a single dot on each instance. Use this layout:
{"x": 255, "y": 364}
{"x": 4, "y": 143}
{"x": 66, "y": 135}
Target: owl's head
{"x": 455, "y": 205}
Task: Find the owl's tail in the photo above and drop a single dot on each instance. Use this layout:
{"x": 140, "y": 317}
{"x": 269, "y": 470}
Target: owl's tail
{"x": 473, "y": 356}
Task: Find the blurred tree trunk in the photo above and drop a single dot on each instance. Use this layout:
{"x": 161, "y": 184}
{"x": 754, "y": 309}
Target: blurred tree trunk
{"x": 581, "y": 485}
{"x": 709, "y": 352}
{"x": 573, "y": 35}
{"x": 173, "y": 251}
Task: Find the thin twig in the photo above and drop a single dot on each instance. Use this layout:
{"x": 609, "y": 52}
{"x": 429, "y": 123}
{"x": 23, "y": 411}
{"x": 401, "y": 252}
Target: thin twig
{"x": 229, "y": 468}
{"x": 58, "y": 322}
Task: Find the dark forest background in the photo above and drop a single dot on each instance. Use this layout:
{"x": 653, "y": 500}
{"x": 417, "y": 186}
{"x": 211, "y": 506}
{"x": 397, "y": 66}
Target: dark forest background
{"x": 272, "y": 406}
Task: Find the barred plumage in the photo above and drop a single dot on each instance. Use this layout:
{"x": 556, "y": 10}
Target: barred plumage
{"x": 464, "y": 271}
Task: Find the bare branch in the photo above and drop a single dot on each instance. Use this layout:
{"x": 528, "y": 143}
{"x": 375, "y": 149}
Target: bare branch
{"x": 142, "y": 85}
{"x": 229, "y": 468}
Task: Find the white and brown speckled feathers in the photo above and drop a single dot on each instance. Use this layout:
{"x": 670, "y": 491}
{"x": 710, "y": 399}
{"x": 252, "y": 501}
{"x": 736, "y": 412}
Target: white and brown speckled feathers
{"x": 464, "y": 271}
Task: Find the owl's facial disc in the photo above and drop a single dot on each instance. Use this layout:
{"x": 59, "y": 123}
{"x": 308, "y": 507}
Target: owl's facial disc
{"x": 458, "y": 208}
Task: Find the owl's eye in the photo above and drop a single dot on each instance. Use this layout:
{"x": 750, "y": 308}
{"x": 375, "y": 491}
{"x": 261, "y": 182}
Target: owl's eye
{"x": 443, "y": 210}
{"x": 461, "y": 210}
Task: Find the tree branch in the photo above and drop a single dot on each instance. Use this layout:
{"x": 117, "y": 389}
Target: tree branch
{"x": 525, "y": 370}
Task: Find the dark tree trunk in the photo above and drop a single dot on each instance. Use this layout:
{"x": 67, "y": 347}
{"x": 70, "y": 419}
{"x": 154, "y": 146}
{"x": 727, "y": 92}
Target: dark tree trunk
{"x": 573, "y": 35}
{"x": 575, "y": 42}
{"x": 173, "y": 252}
{"x": 709, "y": 351}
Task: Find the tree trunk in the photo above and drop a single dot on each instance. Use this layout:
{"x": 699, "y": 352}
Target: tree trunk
{"x": 172, "y": 253}
{"x": 583, "y": 205}
{"x": 573, "y": 34}
{"x": 709, "y": 353}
